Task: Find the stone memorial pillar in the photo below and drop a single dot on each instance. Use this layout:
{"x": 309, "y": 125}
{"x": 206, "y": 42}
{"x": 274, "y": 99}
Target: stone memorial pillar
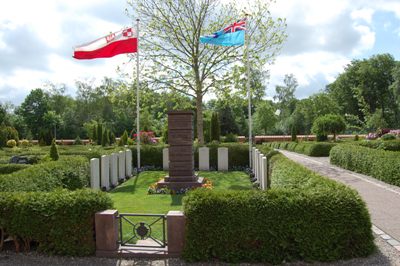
{"x": 256, "y": 165}
{"x": 128, "y": 163}
{"x": 265, "y": 175}
{"x": 180, "y": 152}
{"x": 121, "y": 165}
{"x": 223, "y": 159}
{"x": 204, "y": 159}
{"x": 165, "y": 159}
{"x": 114, "y": 169}
{"x": 94, "y": 173}
{"x": 253, "y": 156}
{"x": 260, "y": 156}
{"x": 105, "y": 172}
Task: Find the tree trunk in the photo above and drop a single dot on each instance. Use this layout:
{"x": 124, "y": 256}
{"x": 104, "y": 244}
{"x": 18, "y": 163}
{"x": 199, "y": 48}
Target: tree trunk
{"x": 199, "y": 113}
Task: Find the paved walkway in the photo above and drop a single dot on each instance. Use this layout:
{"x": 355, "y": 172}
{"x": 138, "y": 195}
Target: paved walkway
{"x": 383, "y": 200}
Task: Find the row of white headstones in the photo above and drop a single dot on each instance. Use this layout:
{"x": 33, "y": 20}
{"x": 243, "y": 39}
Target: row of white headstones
{"x": 260, "y": 168}
{"x": 110, "y": 170}
{"x": 204, "y": 159}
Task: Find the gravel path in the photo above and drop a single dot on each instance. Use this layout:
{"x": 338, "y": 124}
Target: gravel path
{"x": 384, "y": 256}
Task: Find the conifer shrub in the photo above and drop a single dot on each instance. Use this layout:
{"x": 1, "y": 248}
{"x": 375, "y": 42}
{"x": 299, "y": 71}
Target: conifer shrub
{"x": 54, "y": 151}
{"x": 11, "y": 143}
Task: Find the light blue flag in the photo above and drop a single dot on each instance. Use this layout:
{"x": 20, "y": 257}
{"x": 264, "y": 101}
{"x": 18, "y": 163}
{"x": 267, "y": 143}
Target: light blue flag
{"x": 230, "y": 36}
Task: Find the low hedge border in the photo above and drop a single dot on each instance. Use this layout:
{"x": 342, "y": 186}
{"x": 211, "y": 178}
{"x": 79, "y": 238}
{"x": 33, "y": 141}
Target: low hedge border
{"x": 60, "y": 222}
{"x": 380, "y": 164}
{"x": 11, "y": 168}
{"x": 303, "y": 217}
{"x": 387, "y": 145}
{"x": 68, "y": 172}
{"x": 315, "y": 149}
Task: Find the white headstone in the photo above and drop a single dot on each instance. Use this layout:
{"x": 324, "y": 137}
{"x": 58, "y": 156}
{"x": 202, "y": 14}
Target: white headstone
{"x": 105, "y": 172}
{"x": 94, "y": 173}
{"x": 121, "y": 165}
{"x": 165, "y": 159}
{"x": 265, "y": 167}
{"x": 253, "y": 156}
{"x": 128, "y": 163}
{"x": 261, "y": 170}
{"x": 204, "y": 159}
{"x": 256, "y": 165}
{"x": 223, "y": 159}
{"x": 114, "y": 169}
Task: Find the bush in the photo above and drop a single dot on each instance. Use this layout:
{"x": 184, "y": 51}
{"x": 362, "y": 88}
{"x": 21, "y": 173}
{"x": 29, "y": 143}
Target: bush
{"x": 54, "y": 151}
{"x": 231, "y": 138}
{"x": 327, "y": 124}
{"x": 388, "y": 137}
{"x": 25, "y": 143}
{"x": 10, "y": 168}
{"x": 383, "y": 165}
{"x": 61, "y": 222}
{"x": 77, "y": 141}
{"x": 387, "y": 145}
{"x": 272, "y": 226}
{"x": 71, "y": 173}
{"x": 11, "y": 143}
{"x": 215, "y": 127}
{"x": 315, "y": 149}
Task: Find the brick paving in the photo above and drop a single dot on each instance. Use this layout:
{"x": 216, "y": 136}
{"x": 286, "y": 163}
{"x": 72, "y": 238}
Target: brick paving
{"x": 383, "y": 200}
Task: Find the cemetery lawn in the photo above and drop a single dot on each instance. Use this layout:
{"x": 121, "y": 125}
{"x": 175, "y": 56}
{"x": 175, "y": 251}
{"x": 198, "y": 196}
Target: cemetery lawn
{"x": 132, "y": 197}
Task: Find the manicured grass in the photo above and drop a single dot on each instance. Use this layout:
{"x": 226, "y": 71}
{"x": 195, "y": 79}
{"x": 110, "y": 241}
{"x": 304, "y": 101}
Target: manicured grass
{"x": 132, "y": 197}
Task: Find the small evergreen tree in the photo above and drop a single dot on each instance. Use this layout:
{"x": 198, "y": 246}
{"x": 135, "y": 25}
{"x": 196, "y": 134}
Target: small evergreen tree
{"x": 112, "y": 138}
{"x": 94, "y": 133}
{"x": 215, "y": 127}
{"x": 54, "y": 151}
{"x": 99, "y": 133}
{"x": 124, "y": 139}
{"x": 104, "y": 138}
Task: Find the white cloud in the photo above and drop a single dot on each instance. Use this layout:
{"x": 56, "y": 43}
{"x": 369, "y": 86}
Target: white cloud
{"x": 364, "y": 14}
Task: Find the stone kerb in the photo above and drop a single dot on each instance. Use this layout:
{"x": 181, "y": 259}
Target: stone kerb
{"x": 105, "y": 172}
{"x": 121, "y": 165}
{"x": 223, "y": 159}
{"x": 128, "y": 163}
{"x": 204, "y": 159}
{"x": 114, "y": 169}
{"x": 165, "y": 159}
{"x": 94, "y": 173}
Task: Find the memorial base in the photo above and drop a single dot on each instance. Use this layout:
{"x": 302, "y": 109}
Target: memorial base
{"x": 177, "y": 183}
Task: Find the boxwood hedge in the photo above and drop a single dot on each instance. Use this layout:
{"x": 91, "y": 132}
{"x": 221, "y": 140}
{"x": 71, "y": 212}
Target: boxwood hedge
{"x": 303, "y": 217}
{"x": 316, "y": 149}
{"x": 10, "y": 168}
{"x": 60, "y": 222}
{"x": 381, "y": 164}
{"x": 388, "y": 145}
{"x": 68, "y": 172}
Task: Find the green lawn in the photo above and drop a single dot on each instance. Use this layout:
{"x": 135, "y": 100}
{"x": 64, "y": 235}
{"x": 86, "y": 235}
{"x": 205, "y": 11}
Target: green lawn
{"x": 132, "y": 197}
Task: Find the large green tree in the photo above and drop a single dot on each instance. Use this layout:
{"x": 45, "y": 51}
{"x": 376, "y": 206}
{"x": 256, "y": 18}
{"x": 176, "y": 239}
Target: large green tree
{"x": 264, "y": 118}
{"x": 33, "y": 109}
{"x": 171, "y": 42}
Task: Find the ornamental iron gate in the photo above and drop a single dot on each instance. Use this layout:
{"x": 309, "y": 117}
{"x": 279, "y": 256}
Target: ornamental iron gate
{"x": 136, "y": 227}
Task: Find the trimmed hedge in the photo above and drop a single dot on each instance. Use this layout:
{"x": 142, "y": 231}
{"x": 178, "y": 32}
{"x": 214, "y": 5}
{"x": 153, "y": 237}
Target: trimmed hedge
{"x": 61, "y": 222}
{"x": 383, "y": 165}
{"x": 10, "y": 168}
{"x": 315, "y": 149}
{"x": 388, "y": 145}
{"x": 70, "y": 172}
{"x": 238, "y": 155}
{"x": 303, "y": 217}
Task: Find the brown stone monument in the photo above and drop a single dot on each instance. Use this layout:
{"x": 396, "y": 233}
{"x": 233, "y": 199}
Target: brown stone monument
{"x": 181, "y": 157}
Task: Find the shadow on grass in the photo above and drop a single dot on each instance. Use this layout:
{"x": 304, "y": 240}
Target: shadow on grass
{"x": 176, "y": 200}
{"x": 124, "y": 188}
{"x": 238, "y": 187}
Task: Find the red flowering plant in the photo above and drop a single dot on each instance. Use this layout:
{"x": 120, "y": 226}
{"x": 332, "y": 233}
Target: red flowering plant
{"x": 146, "y": 137}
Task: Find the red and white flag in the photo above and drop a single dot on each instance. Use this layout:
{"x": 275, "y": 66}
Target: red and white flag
{"x": 120, "y": 42}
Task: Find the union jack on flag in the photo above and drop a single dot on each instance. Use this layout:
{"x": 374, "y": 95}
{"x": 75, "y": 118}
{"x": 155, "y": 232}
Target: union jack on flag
{"x": 238, "y": 25}
{"x": 228, "y": 36}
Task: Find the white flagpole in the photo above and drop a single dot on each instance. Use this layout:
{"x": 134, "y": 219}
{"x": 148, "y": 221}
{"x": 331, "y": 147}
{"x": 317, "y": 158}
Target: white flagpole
{"x": 248, "y": 89}
{"x": 137, "y": 99}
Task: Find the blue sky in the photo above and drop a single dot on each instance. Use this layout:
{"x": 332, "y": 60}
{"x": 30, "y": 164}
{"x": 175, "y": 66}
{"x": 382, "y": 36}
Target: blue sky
{"x": 36, "y": 41}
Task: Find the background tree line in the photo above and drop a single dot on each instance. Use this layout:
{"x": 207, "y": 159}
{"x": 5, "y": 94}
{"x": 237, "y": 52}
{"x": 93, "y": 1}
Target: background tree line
{"x": 366, "y": 95}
